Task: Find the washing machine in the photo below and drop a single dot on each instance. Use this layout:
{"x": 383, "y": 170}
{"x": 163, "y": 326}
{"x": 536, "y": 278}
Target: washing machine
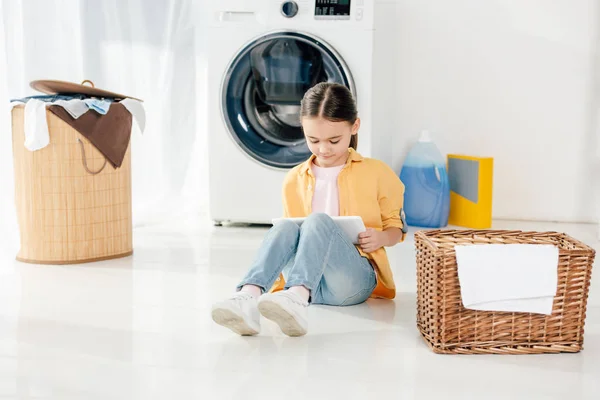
{"x": 262, "y": 56}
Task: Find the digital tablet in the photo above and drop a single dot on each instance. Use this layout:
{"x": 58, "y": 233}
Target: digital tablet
{"x": 351, "y": 225}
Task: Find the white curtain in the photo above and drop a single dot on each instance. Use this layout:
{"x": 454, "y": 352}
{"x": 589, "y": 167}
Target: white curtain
{"x": 146, "y": 49}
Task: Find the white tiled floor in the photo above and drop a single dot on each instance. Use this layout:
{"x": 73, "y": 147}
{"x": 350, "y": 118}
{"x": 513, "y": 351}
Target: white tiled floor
{"x": 139, "y": 328}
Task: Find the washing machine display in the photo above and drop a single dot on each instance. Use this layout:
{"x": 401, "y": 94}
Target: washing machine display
{"x": 262, "y": 90}
{"x": 332, "y": 9}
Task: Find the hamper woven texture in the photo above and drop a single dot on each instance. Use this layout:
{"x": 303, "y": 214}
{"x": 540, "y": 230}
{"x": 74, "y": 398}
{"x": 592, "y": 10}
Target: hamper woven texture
{"x": 449, "y": 328}
{"x": 67, "y": 211}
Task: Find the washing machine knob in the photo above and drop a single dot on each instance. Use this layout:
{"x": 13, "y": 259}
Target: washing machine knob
{"x": 289, "y": 9}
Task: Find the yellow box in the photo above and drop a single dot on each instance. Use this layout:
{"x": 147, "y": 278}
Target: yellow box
{"x": 471, "y": 181}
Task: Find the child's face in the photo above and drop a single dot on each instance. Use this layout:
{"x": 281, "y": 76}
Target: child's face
{"x": 329, "y": 141}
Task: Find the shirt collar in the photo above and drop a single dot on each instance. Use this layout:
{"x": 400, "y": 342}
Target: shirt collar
{"x": 353, "y": 156}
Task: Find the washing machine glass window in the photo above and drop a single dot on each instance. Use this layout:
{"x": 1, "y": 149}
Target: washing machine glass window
{"x": 262, "y": 90}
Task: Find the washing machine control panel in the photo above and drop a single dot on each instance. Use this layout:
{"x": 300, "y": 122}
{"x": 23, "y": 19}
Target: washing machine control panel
{"x": 332, "y": 9}
{"x": 289, "y": 9}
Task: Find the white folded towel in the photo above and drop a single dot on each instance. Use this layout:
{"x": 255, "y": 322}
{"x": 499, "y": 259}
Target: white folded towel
{"x": 508, "y": 277}
{"x": 136, "y": 109}
{"x": 75, "y": 107}
{"x": 36, "y": 125}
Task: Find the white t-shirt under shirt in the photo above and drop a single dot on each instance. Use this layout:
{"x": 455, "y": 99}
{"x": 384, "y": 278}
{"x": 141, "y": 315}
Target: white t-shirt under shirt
{"x": 326, "y": 195}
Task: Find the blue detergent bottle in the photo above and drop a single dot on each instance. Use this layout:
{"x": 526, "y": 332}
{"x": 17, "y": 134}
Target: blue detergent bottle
{"x": 427, "y": 189}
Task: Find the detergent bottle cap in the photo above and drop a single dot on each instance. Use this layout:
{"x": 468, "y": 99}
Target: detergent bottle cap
{"x": 425, "y": 137}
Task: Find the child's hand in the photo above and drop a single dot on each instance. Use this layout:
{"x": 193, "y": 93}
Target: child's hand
{"x": 371, "y": 240}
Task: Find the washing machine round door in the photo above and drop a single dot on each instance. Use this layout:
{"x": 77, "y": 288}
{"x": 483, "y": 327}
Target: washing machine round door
{"x": 262, "y": 90}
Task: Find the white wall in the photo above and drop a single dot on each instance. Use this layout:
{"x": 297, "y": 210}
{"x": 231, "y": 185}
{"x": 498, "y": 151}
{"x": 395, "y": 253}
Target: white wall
{"x": 509, "y": 79}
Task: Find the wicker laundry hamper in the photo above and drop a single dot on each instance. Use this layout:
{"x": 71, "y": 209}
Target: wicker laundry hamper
{"x": 72, "y": 207}
{"x": 449, "y": 328}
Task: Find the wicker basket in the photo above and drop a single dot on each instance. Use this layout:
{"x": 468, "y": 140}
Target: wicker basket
{"x": 72, "y": 207}
{"x": 449, "y": 328}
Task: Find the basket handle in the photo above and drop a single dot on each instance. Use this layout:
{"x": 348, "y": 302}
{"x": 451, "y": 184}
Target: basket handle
{"x": 84, "y": 160}
{"x": 88, "y": 81}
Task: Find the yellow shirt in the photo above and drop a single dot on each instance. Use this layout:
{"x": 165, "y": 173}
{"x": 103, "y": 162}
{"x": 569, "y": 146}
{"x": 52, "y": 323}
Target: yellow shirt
{"x": 368, "y": 188}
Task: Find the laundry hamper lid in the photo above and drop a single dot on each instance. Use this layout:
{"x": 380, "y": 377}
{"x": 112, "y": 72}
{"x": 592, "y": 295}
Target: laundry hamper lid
{"x": 64, "y": 87}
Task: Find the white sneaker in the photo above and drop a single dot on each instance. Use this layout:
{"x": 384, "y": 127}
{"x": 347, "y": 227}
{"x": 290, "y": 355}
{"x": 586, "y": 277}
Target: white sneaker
{"x": 238, "y": 313}
{"x": 287, "y": 310}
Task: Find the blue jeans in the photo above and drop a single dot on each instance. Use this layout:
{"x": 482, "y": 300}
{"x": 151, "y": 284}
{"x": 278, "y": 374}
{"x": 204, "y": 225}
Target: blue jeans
{"x": 316, "y": 255}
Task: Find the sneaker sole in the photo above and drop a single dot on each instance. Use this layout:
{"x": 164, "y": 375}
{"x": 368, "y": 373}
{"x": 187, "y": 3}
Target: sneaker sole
{"x": 286, "y": 321}
{"x": 231, "y": 320}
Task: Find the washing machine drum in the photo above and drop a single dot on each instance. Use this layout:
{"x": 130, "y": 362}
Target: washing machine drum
{"x": 263, "y": 88}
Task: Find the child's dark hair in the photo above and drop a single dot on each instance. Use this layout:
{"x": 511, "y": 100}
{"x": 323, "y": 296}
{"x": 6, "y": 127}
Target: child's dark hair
{"x": 331, "y": 101}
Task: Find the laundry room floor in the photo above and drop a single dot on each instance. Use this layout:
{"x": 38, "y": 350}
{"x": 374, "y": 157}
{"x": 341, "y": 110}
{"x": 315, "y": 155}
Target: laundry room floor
{"x": 140, "y": 328}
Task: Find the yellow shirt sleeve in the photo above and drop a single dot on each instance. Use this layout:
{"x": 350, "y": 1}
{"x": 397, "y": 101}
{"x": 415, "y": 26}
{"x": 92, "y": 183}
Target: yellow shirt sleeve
{"x": 286, "y": 211}
{"x": 391, "y": 200}
{"x": 287, "y": 190}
